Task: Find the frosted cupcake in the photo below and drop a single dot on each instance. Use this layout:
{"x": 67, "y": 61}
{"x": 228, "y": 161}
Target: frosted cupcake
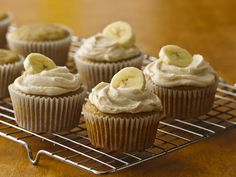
{"x": 5, "y": 21}
{"x": 11, "y": 66}
{"x": 49, "y": 39}
{"x": 122, "y": 115}
{"x": 185, "y": 84}
{"x": 46, "y": 98}
{"x": 104, "y": 54}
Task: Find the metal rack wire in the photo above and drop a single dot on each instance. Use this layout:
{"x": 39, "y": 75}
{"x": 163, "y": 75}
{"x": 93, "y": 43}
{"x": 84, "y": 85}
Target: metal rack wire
{"x": 74, "y": 148}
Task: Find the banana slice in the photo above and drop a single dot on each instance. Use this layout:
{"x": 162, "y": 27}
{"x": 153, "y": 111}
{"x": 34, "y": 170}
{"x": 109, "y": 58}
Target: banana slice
{"x": 36, "y": 62}
{"x": 129, "y": 77}
{"x": 175, "y": 55}
{"x": 120, "y": 31}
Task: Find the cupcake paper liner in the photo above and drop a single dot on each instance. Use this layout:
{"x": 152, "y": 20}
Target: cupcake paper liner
{"x": 8, "y": 73}
{"x": 185, "y": 103}
{"x": 47, "y": 114}
{"x": 93, "y": 73}
{"x": 4, "y": 24}
{"x": 56, "y": 50}
{"x": 122, "y": 134}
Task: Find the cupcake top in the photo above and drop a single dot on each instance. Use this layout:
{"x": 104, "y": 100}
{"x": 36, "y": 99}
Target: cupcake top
{"x": 127, "y": 93}
{"x": 43, "y": 77}
{"x": 3, "y": 15}
{"x": 7, "y": 56}
{"x": 115, "y": 43}
{"x": 40, "y": 32}
{"x": 177, "y": 67}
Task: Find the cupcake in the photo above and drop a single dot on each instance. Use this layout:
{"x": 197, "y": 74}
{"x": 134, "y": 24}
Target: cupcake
{"x": 46, "y": 98}
{"x": 5, "y": 21}
{"x": 104, "y": 54}
{"x": 185, "y": 84}
{"x": 11, "y": 66}
{"x": 49, "y": 39}
{"x": 122, "y": 115}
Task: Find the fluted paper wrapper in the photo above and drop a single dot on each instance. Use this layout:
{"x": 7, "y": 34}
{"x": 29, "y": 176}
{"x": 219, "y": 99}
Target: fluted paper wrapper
{"x": 4, "y": 24}
{"x": 56, "y": 50}
{"x": 8, "y": 73}
{"x": 185, "y": 103}
{"x": 47, "y": 114}
{"x": 93, "y": 73}
{"x": 122, "y": 134}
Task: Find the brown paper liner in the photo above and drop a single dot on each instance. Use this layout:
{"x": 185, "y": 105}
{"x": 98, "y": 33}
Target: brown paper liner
{"x": 56, "y": 50}
{"x": 185, "y": 102}
{"x": 122, "y": 134}
{"x": 47, "y": 114}
{"x": 93, "y": 73}
{"x": 8, "y": 73}
{"x": 4, "y": 24}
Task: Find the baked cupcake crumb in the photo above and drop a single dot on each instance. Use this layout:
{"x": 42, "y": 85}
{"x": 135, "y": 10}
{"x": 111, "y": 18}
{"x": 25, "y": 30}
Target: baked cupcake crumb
{"x": 7, "y": 56}
{"x": 40, "y": 32}
{"x": 92, "y": 109}
{"x": 3, "y": 15}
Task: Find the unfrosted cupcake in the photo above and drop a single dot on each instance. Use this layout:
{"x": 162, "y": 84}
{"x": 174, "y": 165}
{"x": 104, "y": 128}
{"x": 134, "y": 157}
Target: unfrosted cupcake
{"x": 46, "y": 98}
{"x": 51, "y": 40}
{"x": 185, "y": 84}
{"x": 104, "y": 54}
{"x": 123, "y": 115}
{"x": 5, "y": 21}
{"x": 11, "y": 66}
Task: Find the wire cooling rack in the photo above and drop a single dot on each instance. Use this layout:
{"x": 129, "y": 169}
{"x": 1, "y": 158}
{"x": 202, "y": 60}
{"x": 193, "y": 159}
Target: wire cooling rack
{"x": 73, "y": 147}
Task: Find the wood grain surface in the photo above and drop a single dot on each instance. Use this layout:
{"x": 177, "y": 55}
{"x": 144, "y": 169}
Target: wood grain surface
{"x": 201, "y": 26}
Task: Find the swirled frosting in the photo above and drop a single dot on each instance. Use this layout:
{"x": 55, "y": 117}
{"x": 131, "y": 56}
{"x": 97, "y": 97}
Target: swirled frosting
{"x": 100, "y": 48}
{"x": 56, "y": 81}
{"x": 199, "y": 73}
{"x": 112, "y": 100}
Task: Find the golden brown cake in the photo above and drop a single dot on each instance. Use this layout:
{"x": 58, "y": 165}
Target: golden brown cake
{"x": 5, "y": 21}
{"x": 11, "y": 66}
{"x": 93, "y": 110}
{"x": 3, "y": 15}
{"x": 7, "y": 56}
{"x": 51, "y": 40}
{"x": 40, "y": 32}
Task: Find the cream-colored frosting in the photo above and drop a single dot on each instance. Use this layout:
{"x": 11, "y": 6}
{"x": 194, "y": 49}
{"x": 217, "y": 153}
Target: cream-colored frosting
{"x": 112, "y": 100}
{"x": 52, "y": 82}
{"x": 100, "y": 48}
{"x": 199, "y": 73}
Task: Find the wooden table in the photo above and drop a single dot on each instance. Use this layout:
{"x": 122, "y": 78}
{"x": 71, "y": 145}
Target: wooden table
{"x": 201, "y": 26}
